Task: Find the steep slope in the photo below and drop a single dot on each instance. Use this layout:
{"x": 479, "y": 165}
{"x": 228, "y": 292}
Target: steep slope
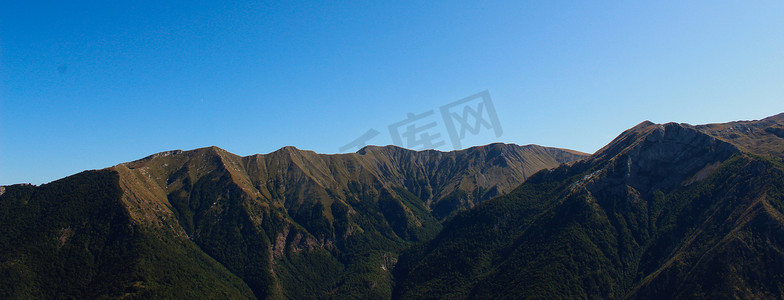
{"x": 452, "y": 181}
{"x": 289, "y": 224}
{"x": 74, "y": 238}
{"x": 296, "y": 224}
{"x": 663, "y": 211}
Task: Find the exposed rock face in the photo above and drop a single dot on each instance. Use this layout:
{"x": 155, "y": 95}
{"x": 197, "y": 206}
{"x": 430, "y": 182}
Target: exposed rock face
{"x": 653, "y": 157}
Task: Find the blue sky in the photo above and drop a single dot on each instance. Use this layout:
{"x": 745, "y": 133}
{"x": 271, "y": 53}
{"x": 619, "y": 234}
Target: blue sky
{"x": 90, "y": 84}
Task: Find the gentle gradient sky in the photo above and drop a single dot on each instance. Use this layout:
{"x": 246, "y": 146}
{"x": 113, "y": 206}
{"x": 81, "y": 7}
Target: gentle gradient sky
{"x": 90, "y": 84}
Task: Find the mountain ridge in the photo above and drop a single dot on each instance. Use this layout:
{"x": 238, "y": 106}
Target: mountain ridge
{"x": 272, "y": 219}
{"x": 662, "y": 211}
{"x": 634, "y": 220}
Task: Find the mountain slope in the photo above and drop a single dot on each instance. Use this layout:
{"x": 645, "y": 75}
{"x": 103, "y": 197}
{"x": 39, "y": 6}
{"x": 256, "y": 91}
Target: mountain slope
{"x": 289, "y": 224}
{"x": 763, "y": 137}
{"x": 73, "y": 238}
{"x": 663, "y": 211}
{"x": 272, "y": 219}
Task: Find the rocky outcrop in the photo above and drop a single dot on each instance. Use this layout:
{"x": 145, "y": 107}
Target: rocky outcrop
{"x": 651, "y": 157}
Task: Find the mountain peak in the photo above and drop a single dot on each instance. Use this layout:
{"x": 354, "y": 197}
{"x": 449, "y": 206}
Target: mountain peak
{"x": 373, "y": 148}
{"x": 626, "y": 139}
{"x": 160, "y": 154}
{"x": 282, "y": 150}
{"x": 664, "y": 211}
{"x": 645, "y": 123}
{"x": 660, "y": 156}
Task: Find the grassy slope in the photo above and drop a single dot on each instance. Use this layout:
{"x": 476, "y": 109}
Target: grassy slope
{"x": 73, "y": 238}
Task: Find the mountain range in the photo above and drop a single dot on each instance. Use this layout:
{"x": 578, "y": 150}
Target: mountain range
{"x": 663, "y": 211}
{"x": 288, "y": 224}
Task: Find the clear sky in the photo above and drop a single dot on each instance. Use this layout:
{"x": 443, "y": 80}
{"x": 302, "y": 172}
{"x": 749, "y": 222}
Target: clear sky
{"x": 90, "y": 84}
